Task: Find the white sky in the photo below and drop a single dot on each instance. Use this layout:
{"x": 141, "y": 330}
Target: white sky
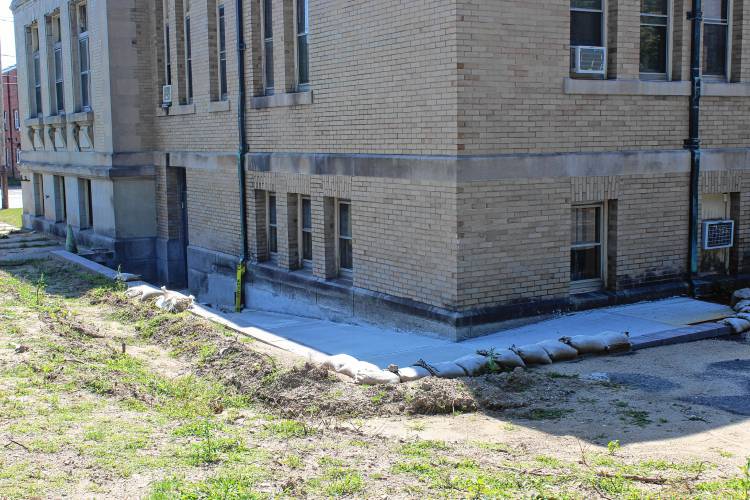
{"x": 7, "y": 40}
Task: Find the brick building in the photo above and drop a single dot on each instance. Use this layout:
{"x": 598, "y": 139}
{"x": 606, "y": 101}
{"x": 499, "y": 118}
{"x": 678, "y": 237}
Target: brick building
{"x": 11, "y": 122}
{"x": 443, "y": 165}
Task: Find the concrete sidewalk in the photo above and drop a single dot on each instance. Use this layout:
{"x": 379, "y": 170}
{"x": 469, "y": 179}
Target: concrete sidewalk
{"x": 383, "y": 346}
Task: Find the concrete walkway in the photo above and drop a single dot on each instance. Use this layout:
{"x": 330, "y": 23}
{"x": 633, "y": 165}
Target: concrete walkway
{"x": 383, "y": 346}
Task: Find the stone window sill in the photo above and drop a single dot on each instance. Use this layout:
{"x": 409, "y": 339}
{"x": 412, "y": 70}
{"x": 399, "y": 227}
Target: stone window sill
{"x": 37, "y": 121}
{"x": 219, "y": 106}
{"x": 82, "y": 117}
{"x": 625, "y": 87}
{"x": 55, "y": 119}
{"x": 726, "y": 89}
{"x": 645, "y": 87}
{"x": 282, "y": 100}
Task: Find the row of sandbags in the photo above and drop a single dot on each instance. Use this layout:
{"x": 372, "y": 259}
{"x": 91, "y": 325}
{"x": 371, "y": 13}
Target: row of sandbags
{"x": 546, "y": 352}
{"x": 167, "y": 300}
{"x": 740, "y": 322}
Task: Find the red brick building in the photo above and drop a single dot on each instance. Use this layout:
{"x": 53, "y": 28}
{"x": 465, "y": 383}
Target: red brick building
{"x": 11, "y": 122}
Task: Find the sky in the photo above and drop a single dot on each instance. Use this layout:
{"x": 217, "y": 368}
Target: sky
{"x": 7, "y": 40}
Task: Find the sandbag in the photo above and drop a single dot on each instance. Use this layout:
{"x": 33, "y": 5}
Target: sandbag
{"x": 507, "y": 359}
{"x": 448, "y": 369}
{"x": 150, "y": 293}
{"x": 740, "y": 295}
{"x": 351, "y": 369}
{"x": 745, "y": 316}
{"x": 411, "y": 373}
{"x": 559, "y": 351}
{"x": 174, "y": 303}
{"x": 126, "y": 277}
{"x": 473, "y": 364}
{"x": 586, "y": 344}
{"x": 532, "y": 354}
{"x": 134, "y": 292}
{"x": 742, "y": 304}
{"x": 616, "y": 341}
{"x": 339, "y": 361}
{"x": 738, "y": 325}
{"x": 375, "y": 377}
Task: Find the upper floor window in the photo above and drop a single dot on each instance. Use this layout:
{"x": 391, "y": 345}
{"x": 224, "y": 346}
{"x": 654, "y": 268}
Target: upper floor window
{"x": 715, "y": 38}
{"x": 167, "y": 56}
{"x": 59, "y": 90}
{"x": 654, "y": 38}
{"x": 188, "y": 60}
{"x": 586, "y": 23}
{"x": 303, "y": 61}
{"x": 268, "y": 46}
{"x": 16, "y": 119}
{"x": 32, "y": 42}
{"x": 223, "y": 94}
{"x": 84, "y": 61}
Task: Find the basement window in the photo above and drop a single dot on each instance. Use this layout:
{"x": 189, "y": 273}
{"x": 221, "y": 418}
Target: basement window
{"x": 344, "y": 237}
{"x": 305, "y": 232}
{"x": 587, "y": 261}
{"x": 273, "y": 246}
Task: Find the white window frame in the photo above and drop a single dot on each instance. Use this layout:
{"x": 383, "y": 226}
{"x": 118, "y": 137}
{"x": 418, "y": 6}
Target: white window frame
{"x": 303, "y": 263}
{"x": 18, "y": 156}
{"x": 727, "y": 77}
{"x": 344, "y": 273}
{"x": 272, "y": 256}
{"x": 604, "y": 12}
{"x": 188, "y": 35}
{"x": 302, "y": 86}
{"x": 16, "y": 119}
{"x": 598, "y": 284}
{"x": 221, "y": 28}
{"x": 268, "y": 89}
{"x": 667, "y": 76}
{"x": 83, "y": 36}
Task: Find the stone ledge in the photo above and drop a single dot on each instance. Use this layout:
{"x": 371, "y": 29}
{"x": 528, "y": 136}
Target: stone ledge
{"x": 83, "y": 116}
{"x": 625, "y": 87}
{"x": 219, "y": 106}
{"x": 726, "y": 90}
{"x": 55, "y": 119}
{"x": 281, "y": 100}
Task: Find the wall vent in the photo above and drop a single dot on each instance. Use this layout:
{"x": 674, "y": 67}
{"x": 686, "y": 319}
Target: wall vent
{"x": 718, "y": 234}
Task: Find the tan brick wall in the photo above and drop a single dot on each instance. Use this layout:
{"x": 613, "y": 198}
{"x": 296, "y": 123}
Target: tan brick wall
{"x": 213, "y": 210}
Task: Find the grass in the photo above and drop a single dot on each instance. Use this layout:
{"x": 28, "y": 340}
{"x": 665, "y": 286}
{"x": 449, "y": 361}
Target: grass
{"x": 12, "y": 216}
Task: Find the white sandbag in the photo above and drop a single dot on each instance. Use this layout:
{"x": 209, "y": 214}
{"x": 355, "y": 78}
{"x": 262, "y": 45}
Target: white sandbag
{"x": 559, "y": 351}
{"x": 586, "y": 344}
{"x": 532, "y": 354}
{"x": 448, "y": 369}
{"x": 740, "y": 295}
{"x": 473, "y": 364}
{"x": 616, "y": 341}
{"x": 150, "y": 293}
{"x": 411, "y": 373}
{"x": 376, "y": 377}
{"x": 738, "y": 325}
{"x": 745, "y": 316}
{"x": 339, "y": 361}
{"x": 507, "y": 359}
{"x": 126, "y": 277}
{"x": 742, "y": 304}
{"x": 134, "y": 292}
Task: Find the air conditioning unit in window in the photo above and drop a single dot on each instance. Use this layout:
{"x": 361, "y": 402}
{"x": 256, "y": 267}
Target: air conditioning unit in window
{"x": 588, "y": 60}
{"x": 166, "y": 95}
{"x": 718, "y": 234}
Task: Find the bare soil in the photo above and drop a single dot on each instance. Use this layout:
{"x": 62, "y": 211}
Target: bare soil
{"x": 192, "y": 410}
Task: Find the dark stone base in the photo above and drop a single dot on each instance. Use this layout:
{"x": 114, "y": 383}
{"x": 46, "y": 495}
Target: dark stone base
{"x": 171, "y": 263}
{"x": 212, "y": 278}
{"x": 132, "y": 255}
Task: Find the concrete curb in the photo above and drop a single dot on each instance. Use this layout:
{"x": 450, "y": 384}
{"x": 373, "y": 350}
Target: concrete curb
{"x": 685, "y": 334}
{"x": 691, "y": 333}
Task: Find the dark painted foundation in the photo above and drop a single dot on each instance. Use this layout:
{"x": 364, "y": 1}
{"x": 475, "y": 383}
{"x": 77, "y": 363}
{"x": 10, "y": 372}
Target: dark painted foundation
{"x": 211, "y": 277}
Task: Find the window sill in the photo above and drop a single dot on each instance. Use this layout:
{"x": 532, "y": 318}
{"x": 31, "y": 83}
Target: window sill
{"x": 625, "y": 87}
{"x": 282, "y": 100}
{"x": 726, "y": 89}
{"x": 37, "y": 121}
{"x": 82, "y": 117}
{"x": 219, "y": 106}
{"x": 55, "y": 119}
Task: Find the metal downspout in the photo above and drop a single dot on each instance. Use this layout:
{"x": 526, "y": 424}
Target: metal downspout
{"x": 693, "y": 143}
{"x": 239, "y": 298}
